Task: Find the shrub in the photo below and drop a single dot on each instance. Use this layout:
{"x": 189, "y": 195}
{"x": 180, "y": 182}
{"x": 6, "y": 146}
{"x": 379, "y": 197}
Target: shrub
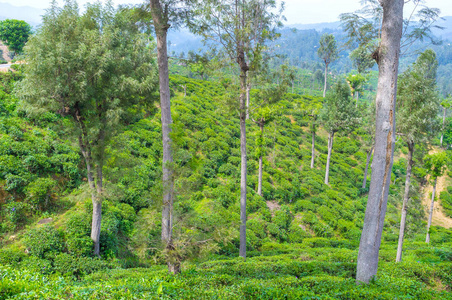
{"x": 296, "y": 234}
{"x": 257, "y": 227}
{"x": 39, "y": 192}
{"x": 15, "y": 213}
{"x": 44, "y": 241}
{"x": 304, "y": 205}
{"x": 11, "y": 256}
{"x": 78, "y": 240}
{"x": 66, "y": 264}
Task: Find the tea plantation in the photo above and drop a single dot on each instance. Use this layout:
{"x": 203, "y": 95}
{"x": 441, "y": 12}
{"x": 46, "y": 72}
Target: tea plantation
{"x": 302, "y": 235}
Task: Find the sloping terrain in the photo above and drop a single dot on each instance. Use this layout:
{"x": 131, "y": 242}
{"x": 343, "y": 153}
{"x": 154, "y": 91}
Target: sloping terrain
{"x": 302, "y": 235}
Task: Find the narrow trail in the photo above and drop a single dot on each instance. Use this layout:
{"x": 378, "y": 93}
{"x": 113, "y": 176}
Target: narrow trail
{"x": 439, "y": 218}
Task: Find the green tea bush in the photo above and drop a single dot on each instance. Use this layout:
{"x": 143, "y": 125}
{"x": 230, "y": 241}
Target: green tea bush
{"x": 304, "y": 205}
{"x": 66, "y": 264}
{"x": 11, "y": 256}
{"x": 77, "y": 235}
{"x": 14, "y": 213}
{"x": 296, "y": 234}
{"x": 44, "y": 241}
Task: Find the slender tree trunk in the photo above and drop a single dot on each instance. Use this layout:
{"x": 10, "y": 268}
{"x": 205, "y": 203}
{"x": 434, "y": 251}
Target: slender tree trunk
{"x": 85, "y": 148}
{"x": 97, "y": 204}
{"x": 161, "y": 29}
{"x": 330, "y": 149}
{"x": 444, "y": 125}
{"x": 430, "y": 216}
{"x": 166, "y": 130}
{"x": 387, "y": 57}
{"x": 313, "y": 143}
{"x": 357, "y": 98}
{"x": 243, "y": 86}
{"x": 406, "y": 198}
{"x": 326, "y": 76}
{"x": 259, "y": 184}
{"x": 369, "y": 156}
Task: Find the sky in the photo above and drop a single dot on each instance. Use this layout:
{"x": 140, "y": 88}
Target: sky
{"x": 296, "y": 12}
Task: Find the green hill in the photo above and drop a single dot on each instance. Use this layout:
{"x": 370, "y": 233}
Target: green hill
{"x": 302, "y": 235}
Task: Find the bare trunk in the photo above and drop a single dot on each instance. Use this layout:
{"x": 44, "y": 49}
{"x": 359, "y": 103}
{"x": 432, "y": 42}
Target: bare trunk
{"x": 313, "y": 143}
{"x": 85, "y": 147}
{"x": 444, "y": 125}
{"x": 97, "y": 213}
{"x": 165, "y": 104}
{"x": 406, "y": 198}
{"x": 161, "y": 28}
{"x": 259, "y": 184}
{"x": 430, "y": 216}
{"x": 97, "y": 206}
{"x": 369, "y": 156}
{"x": 330, "y": 148}
{"x": 387, "y": 57}
{"x": 243, "y": 86}
{"x": 357, "y": 98}
{"x": 326, "y": 76}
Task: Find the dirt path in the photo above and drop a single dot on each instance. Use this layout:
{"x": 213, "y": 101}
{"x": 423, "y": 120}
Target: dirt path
{"x": 439, "y": 218}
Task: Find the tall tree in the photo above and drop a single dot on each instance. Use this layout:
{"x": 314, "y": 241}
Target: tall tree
{"x": 242, "y": 28}
{"x": 328, "y": 53}
{"x": 445, "y": 104}
{"x": 417, "y": 108}
{"x": 15, "y": 34}
{"x": 167, "y": 13}
{"x": 435, "y": 164}
{"x": 312, "y": 110}
{"x": 363, "y": 30}
{"x": 338, "y": 114}
{"x": 387, "y": 57}
{"x": 265, "y": 110}
{"x": 262, "y": 117}
{"x": 356, "y": 82}
{"x": 97, "y": 65}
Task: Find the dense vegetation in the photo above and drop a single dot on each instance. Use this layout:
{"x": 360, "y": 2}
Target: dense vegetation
{"x": 309, "y": 221}
{"x": 302, "y": 228}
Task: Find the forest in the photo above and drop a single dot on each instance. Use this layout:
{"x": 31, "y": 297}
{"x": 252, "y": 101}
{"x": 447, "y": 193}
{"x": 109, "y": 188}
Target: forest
{"x": 248, "y": 169}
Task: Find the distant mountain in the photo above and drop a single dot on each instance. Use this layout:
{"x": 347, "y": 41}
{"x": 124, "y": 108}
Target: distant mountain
{"x": 445, "y": 33}
{"x": 29, "y": 14}
{"x": 316, "y": 26}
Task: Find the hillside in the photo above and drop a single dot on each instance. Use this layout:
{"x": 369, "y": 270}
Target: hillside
{"x": 302, "y": 235}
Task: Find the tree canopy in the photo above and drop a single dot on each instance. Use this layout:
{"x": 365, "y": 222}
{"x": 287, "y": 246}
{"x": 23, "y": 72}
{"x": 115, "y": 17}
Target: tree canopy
{"x": 97, "y": 67}
{"x": 418, "y": 100}
{"x": 15, "y": 34}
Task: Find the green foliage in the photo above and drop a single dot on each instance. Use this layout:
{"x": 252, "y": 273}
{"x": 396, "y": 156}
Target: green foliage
{"x": 14, "y": 33}
{"x": 317, "y": 269}
{"x": 418, "y": 100}
{"x": 327, "y": 51}
{"x": 339, "y": 112}
{"x": 44, "y": 242}
{"x": 66, "y": 264}
{"x": 436, "y": 163}
{"x": 78, "y": 240}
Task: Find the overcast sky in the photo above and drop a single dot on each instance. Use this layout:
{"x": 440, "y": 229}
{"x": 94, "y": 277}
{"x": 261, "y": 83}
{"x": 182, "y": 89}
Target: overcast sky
{"x": 297, "y": 11}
